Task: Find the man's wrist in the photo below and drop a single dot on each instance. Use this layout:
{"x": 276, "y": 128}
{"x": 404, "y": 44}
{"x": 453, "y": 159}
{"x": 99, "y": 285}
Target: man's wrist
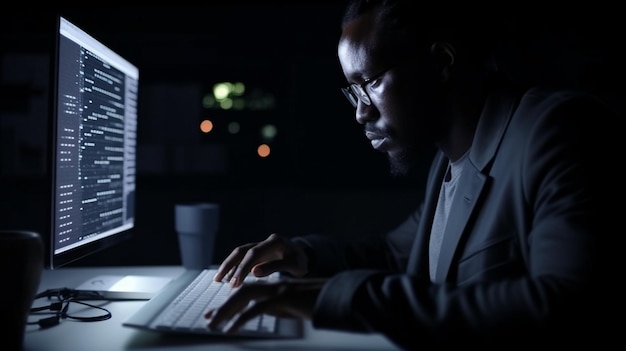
{"x": 305, "y": 254}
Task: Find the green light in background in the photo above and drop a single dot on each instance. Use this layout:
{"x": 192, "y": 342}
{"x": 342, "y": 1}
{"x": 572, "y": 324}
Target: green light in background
{"x": 269, "y": 131}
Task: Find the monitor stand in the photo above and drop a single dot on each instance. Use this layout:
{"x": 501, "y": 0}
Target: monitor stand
{"x": 124, "y": 287}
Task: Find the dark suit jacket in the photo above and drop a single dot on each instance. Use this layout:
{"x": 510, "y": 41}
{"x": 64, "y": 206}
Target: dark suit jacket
{"x": 524, "y": 254}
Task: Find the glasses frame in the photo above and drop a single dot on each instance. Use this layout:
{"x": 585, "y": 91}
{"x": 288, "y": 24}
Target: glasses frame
{"x": 358, "y": 92}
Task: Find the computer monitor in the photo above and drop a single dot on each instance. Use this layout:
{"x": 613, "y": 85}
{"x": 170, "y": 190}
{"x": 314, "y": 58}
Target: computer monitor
{"x": 94, "y": 141}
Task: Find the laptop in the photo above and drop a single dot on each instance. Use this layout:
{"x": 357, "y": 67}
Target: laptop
{"x": 179, "y": 307}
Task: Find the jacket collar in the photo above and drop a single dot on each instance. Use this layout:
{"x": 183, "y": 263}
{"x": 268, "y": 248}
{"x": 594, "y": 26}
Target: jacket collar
{"x": 494, "y": 119}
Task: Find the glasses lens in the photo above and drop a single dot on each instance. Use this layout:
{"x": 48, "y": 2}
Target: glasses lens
{"x": 361, "y": 94}
{"x": 350, "y": 96}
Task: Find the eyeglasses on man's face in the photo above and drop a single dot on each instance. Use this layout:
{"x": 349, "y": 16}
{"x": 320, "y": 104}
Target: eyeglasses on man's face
{"x": 355, "y": 92}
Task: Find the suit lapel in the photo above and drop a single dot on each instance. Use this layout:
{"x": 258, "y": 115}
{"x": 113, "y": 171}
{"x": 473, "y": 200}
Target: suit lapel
{"x": 494, "y": 119}
{"x": 470, "y": 185}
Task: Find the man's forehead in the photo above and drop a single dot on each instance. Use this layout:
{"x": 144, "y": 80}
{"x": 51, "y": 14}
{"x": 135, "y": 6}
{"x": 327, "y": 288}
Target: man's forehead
{"x": 360, "y": 41}
{"x": 361, "y": 55}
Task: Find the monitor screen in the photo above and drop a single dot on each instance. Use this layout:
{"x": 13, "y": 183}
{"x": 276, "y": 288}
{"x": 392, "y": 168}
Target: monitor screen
{"x": 94, "y": 140}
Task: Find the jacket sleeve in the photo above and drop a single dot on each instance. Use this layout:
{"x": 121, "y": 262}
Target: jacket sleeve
{"x": 328, "y": 255}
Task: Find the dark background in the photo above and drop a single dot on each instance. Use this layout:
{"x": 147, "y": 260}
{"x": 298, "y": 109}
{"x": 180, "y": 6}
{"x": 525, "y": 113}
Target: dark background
{"x": 322, "y": 175}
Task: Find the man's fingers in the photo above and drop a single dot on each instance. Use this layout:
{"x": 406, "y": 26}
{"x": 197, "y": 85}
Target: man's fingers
{"x": 268, "y": 250}
{"x": 230, "y": 263}
{"x": 238, "y": 302}
{"x": 252, "y": 311}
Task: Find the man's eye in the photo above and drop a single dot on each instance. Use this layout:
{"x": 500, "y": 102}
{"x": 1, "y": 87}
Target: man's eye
{"x": 372, "y": 83}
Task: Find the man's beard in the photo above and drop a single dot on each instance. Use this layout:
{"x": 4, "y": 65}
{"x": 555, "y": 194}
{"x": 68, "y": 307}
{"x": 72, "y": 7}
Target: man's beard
{"x": 406, "y": 165}
{"x": 401, "y": 166}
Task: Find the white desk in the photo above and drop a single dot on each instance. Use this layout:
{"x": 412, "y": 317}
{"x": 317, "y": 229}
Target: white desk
{"x": 110, "y": 335}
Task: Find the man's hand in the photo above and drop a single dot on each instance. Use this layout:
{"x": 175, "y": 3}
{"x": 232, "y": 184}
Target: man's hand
{"x": 285, "y": 298}
{"x": 274, "y": 254}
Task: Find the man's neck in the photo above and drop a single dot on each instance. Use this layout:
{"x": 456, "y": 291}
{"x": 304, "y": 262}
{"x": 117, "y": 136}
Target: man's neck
{"x": 465, "y": 107}
{"x": 461, "y": 133}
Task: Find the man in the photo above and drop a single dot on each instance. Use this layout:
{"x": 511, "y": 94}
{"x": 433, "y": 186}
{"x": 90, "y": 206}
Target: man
{"x": 509, "y": 243}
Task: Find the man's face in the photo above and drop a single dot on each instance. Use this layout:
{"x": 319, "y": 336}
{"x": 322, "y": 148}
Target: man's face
{"x": 404, "y": 114}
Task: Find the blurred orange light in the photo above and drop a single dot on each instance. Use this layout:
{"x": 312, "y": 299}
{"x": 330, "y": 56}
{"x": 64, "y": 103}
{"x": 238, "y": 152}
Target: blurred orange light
{"x": 206, "y": 126}
{"x": 263, "y": 150}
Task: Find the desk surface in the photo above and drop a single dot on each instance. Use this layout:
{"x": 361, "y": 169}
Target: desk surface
{"x": 110, "y": 335}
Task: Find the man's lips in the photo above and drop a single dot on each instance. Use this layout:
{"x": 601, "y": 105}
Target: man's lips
{"x": 377, "y": 140}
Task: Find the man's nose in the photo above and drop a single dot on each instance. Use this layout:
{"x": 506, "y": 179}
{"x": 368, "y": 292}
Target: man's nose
{"x": 365, "y": 113}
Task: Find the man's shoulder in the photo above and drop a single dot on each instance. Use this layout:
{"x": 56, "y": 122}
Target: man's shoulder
{"x": 539, "y": 100}
{"x": 550, "y": 94}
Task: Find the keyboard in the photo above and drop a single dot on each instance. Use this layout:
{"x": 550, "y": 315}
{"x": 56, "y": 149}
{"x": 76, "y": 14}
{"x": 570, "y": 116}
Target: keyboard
{"x": 179, "y": 308}
{"x": 186, "y": 310}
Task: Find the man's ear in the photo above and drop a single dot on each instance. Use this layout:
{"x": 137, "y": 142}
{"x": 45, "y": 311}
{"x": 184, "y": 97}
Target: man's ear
{"x": 444, "y": 54}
